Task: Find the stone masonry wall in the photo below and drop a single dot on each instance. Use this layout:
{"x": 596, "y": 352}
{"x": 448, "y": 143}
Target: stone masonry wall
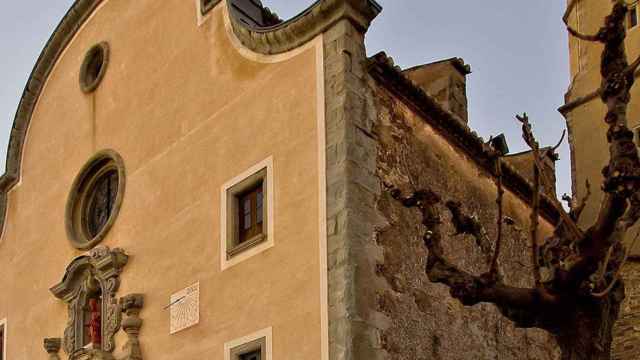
{"x": 424, "y": 322}
{"x": 352, "y": 189}
{"x": 626, "y": 342}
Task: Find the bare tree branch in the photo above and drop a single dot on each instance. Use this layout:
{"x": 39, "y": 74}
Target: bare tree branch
{"x": 529, "y": 138}
{"x": 493, "y": 270}
{"x": 572, "y": 4}
{"x": 622, "y": 175}
{"x": 576, "y": 212}
{"x": 553, "y": 149}
{"x": 467, "y": 288}
{"x": 581, "y": 36}
{"x": 572, "y": 31}
{"x": 616, "y": 277}
{"x": 470, "y": 225}
{"x": 632, "y": 215}
{"x": 634, "y": 66}
{"x": 578, "y": 294}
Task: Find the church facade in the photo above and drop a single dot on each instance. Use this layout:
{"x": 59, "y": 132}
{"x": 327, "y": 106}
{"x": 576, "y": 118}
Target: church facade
{"x": 200, "y": 179}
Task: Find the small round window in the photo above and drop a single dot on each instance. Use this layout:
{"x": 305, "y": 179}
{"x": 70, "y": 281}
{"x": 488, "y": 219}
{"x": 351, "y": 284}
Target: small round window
{"x": 94, "y": 67}
{"x": 95, "y": 199}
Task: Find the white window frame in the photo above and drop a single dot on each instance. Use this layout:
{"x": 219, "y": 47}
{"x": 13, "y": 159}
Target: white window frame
{"x": 266, "y": 334}
{"x": 3, "y": 326}
{"x": 226, "y": 215}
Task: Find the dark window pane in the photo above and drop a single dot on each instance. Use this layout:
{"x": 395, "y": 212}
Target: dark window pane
{"x": 259, "y": 209}
{"x": 250, "y": 213}
{"x": 254, "y": 355}
{"x": 247, "y": 212}
{"x": 247, "y": 204}
{"x": 633, "y": 17}
{"x": 101, "y": 199}
{"x": 247, "y": 221}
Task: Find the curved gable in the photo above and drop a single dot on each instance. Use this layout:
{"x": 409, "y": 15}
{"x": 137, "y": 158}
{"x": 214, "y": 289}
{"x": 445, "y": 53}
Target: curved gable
{"x": 276, "y": 39}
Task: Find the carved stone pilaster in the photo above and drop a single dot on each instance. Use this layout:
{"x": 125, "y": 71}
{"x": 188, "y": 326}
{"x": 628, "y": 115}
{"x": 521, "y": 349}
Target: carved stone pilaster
{"x": 52, "y": 347}
{"x": 131, "y": 306}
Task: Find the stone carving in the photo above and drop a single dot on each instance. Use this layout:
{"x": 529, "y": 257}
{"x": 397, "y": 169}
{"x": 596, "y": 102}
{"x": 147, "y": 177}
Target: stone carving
{"x": 131, "y": 306}
{"x": 89, "y": 276}
{"x": 89, "y": 286}
{"x": 91, "y": 354}
{"x": 52, "y": 346}
{"x": 293, "y": 33}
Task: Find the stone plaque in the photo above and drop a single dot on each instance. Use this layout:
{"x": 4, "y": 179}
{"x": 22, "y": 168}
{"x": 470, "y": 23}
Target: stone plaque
{"x": 185, "y": 308}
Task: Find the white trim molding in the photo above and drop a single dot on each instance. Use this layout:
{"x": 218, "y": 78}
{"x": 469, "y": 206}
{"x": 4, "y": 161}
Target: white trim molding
{"x": 322, "y": 203}
{"x": 225, "y": 193}
{"x": 266, "y": 334}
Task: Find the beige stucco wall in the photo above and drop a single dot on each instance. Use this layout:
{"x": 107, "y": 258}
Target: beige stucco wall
{"x": 187, "y": 113}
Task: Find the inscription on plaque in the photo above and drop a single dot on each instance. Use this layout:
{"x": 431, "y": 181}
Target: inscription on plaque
{"x": 185, "y": 308}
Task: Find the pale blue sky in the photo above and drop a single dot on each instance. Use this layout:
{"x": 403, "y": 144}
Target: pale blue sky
{"x": 517, "y": 50}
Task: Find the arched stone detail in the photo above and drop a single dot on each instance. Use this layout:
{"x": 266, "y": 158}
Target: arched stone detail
{"x": 301, "y": 29}
{"x": 101, "y": 267}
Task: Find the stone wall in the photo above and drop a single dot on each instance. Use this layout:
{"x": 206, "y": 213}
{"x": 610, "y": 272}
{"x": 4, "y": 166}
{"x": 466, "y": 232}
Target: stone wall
{"x": 422, "y": 320}
{"x": 626, "y": 343}
{"x": 352, "y": 190}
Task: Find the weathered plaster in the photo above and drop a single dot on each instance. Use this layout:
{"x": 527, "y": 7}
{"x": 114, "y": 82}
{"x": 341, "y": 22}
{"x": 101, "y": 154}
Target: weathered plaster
{"x": 424, "y": 321}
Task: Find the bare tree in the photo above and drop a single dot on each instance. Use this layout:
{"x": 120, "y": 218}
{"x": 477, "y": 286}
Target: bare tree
{"x": 577, "y": 292}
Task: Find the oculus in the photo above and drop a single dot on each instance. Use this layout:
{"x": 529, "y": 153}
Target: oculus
{"x": 93, "y": 67}
{"x": 95, "y": 199}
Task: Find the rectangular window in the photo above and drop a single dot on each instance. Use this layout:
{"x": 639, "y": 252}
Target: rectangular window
{"x": 246, "y": 221}
{"x": 633, "y": 17}
{"x": 257, "y": 346}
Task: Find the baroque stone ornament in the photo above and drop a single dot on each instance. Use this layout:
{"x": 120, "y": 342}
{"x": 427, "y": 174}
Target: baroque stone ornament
{"x": 92, "y": 276}
{"x": 52, "y": 347}
{"x": 131, "y": 306}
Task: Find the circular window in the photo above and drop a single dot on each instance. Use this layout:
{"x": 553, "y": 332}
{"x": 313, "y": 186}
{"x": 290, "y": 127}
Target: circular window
{"x": 94, "y": 67}
{"x": 95, "y": 199}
